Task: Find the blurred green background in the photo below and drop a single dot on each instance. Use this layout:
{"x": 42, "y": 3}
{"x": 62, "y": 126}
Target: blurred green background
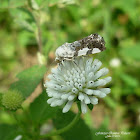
{"x": 118, "y": 21}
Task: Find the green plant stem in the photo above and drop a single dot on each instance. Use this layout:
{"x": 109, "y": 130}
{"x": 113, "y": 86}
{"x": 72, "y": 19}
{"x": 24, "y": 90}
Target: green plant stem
{"x": 36, "y": 15}
{"x": 20, "y": 125}
{"x": 39, "y": 34}
{"x": 60, "y": 131}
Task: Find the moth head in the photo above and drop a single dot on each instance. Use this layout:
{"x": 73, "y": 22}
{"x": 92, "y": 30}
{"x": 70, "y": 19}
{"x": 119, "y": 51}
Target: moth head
{"x": 58, "y": 59}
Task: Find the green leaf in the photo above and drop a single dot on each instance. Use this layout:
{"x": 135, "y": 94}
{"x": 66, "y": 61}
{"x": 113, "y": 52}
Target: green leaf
{"x": 110, "y": 102}
{"x": 78, "y": 104}
{"x": 29, "y": 79}
{"x": 90, "y": 106}
{"x": 61, "y": 2}
{"x": 129, "y": 80}
{"x": 39, "y": 2}
{"x": 7, "y": 132}
{"x": 23, "y": 18}
{"x": 4, "y": 3}
{"x": 53, "y": 2}
{"x": 11, "y": 3}
{"x": 79, "y": 132}
{"x": 88, "y": 119}
{"x": 40, "y": 110}
{"x": 132, "y": 52}
{"x": 16, "y": 3}
{"x": 130, "y": 8}
{"x": 10, "y": 132}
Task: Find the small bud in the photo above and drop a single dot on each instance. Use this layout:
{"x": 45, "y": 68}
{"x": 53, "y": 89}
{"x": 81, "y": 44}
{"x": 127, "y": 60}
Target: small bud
{"x": 12, "y": 100}
{"x": 34, "y": 5}
{"x": 41, "y": 58}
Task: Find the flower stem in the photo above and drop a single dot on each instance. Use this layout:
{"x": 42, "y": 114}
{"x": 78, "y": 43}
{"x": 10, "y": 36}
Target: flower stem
{"x": 60, "y": 131}
{"x": 36, "y": 15}
{"x": 39, "y": 34}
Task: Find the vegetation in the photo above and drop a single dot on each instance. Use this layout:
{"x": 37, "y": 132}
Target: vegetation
{"x": 30, "y": 32}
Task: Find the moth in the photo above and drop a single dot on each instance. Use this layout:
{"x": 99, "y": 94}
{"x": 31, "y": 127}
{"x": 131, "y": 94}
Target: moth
{"x": 91, "y": 44}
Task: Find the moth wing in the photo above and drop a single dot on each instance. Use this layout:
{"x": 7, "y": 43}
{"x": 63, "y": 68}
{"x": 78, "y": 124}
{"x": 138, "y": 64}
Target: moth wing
{"x": 95, "y": 50}
{"x": 87, "y": 51}
{"x": 83, "y": 52}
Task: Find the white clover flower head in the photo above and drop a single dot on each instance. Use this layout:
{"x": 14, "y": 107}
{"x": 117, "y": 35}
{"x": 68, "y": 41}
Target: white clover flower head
{"x": 115, "y": 62}
{"x": 77, "y": 80}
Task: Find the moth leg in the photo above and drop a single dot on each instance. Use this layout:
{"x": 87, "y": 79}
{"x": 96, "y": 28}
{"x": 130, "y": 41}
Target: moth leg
{"x": 73, "y": 60}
